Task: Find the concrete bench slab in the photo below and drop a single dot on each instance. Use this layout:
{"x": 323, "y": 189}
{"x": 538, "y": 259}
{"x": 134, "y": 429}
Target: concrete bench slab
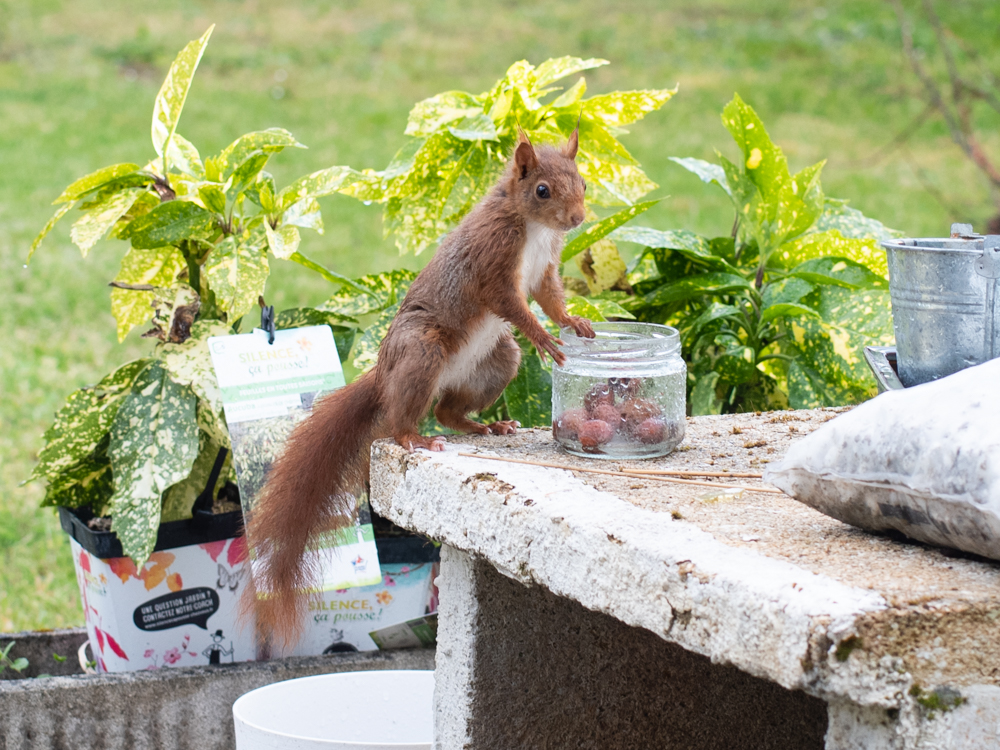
{"x": 900, "y": 642}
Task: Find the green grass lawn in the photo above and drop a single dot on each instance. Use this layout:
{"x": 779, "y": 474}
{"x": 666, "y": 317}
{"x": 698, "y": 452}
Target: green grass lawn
{"x": 77, "y": 82}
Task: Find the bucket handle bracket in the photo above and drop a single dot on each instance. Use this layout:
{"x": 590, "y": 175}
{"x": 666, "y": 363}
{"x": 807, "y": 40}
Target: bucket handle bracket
{"x": 988, "y": 264}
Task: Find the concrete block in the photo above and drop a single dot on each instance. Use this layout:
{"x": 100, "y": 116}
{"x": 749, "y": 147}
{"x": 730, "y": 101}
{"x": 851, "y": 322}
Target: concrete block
{"x": 166, "y": 709}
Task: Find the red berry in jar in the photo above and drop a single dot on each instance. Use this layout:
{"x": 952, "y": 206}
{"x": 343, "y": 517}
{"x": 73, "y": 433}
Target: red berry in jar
{"x": 625, "y": 388}
{"x": 600, "y": 394}
{"x": 637, "y": 410}
{"x": 650, "y": 430}
{"x": 594, "y": 433}
{"x": 567, "y": 425}
{"x": 608, "y": 413}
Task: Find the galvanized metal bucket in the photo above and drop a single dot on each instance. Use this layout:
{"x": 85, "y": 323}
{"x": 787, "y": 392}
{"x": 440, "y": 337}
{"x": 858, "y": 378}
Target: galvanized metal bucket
{"x": 944, "y": 303}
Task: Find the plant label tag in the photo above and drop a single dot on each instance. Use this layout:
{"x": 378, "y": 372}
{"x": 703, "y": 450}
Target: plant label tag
{"x": 266, "y": 390}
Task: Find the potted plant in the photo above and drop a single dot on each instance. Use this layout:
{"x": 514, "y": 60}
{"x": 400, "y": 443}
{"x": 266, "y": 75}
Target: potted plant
{"x": 777, "y": 312}
{"x": 138, "y": 462}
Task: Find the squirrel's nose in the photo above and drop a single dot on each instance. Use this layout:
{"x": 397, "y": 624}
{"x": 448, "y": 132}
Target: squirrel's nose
{"x": 577, "y": 219}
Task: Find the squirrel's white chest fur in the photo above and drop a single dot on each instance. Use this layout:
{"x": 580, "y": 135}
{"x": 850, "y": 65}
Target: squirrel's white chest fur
{"x": 536, "y": 255}
{"x": 460, "y": 369}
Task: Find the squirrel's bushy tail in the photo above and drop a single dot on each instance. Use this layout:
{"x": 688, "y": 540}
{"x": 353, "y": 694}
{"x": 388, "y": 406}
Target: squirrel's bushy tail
{"x": 310, "y": 489}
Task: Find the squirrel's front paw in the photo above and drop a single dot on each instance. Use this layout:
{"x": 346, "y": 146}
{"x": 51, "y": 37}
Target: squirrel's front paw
{"x": 581, "y": 326}
{"x": 550, "y": 345}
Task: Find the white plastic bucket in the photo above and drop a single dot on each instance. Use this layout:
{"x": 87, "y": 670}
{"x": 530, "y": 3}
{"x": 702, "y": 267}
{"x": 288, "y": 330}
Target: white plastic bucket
{"x": 389, "y": 709}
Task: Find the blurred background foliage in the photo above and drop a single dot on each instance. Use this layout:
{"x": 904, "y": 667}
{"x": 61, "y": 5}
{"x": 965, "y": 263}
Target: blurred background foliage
{"x": 77, "y": 80}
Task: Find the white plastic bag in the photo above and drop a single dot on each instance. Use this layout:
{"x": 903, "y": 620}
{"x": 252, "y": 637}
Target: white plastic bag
{"x": 924, "y": 461}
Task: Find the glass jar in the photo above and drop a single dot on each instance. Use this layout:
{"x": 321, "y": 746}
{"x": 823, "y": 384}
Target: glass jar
{"x": 621, "y": 394}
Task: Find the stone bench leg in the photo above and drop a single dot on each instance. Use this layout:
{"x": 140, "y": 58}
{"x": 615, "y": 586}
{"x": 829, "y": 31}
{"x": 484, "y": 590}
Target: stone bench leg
{"x": 518, "y": 667}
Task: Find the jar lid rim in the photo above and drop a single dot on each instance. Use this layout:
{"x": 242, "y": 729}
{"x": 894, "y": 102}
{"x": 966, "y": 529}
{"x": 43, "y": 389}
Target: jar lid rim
{"x": 617, "y": 335}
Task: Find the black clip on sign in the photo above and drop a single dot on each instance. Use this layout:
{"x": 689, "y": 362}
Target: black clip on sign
{"x": 266, "y": 319}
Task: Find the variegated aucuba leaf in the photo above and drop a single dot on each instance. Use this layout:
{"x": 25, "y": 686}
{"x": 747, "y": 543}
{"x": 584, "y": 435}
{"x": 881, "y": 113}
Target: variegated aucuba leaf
{"x": 158, "y": 267}
{"x": 98, "y": 220}
{"x": 173, "y": 93}
{"x": 237, "y": 271}
{"x": 154, "y": 442}
{"x": 381, "y": 290}
{"x": 84, "y": 420}
{"x": 829, "y": 349}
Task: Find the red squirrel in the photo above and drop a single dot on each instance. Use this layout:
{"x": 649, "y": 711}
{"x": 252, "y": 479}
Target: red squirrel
{"x": 450, "y": 340}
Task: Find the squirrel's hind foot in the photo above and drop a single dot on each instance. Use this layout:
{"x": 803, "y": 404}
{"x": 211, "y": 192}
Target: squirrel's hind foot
{"x": 505, "y": 427}
{"x": 413, "y": 442}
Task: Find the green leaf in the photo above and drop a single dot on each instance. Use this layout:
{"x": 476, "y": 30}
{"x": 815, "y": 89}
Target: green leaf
{"x": 697, "y": 248}
{"x": 178, "y": 501}
{"x": 571, "y": 96}
{"x": 621, "y": 108}
{"x": 556, "y": 68}
{"x": 245, "y": 175}
{"x": 613, "y": 176}
{"x": 97, "y": 221}
{"x": 697, "y": 286}
{"x": 430, "y": 115}
{"x": 831, "y": 243}
{"x": 173, "y": 93}
{"x": 182, "y": 154}
{"x": 87, "y": 482}
{"x": 380, "y": 291}
{"x": 213, "y": 196}
{"x": 528, "y": 396}
{"x": 851, "y": 223}
{"x": 829, "y": 348}
{"x": 190, "y": 364}
{"x": 284, "y": 241}
{"x": 95, "y": 180}
{"x": 786, "y": 310}
{"x": 306, "y": 214}
{"x": 318, "y": 184}
{"x": 154, "y": 442}
{"x": 169, "y": 222}
{"x": 327, "y": 274}
{"x": 763, "y": 162}
{"x": 591, "y": 233}
{"x": 366, "y": 351}
{"x": 159, "y": 267}
{"x": 237, "y": 271}
{"x": 605, "y": 308}
{"x": 60, "y": 212}
{"x": 807, "y": 390}
{"x": 474, "y": 128}
{"x": 584, "y": 308}
{"x": 788, "y": 290}
{"x": 715, "y": 311}
{"x": 800, "y": 203}
{"x": 838, "y": 272}
{"x": 711, "y": 174}
{"x": 270, "y": 141}
{"x": 736, "y": 365}
{"x": 84, "y": 420}
{"x": 300, "y": 317}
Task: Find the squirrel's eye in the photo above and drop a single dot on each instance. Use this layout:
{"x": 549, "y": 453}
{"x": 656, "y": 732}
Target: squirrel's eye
{"x": 542, "y": 191}
{"x": 585, "y": 187}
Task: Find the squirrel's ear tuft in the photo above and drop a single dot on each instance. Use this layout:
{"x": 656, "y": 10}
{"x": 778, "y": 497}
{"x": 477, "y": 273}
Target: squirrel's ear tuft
{"x": 525, "y": 159}
{"x": 574, "y": 140}
{"x": 572, "y": 144}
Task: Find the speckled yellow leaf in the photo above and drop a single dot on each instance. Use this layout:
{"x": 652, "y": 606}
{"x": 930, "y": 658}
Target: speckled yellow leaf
{"x": 156, "y": 266}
